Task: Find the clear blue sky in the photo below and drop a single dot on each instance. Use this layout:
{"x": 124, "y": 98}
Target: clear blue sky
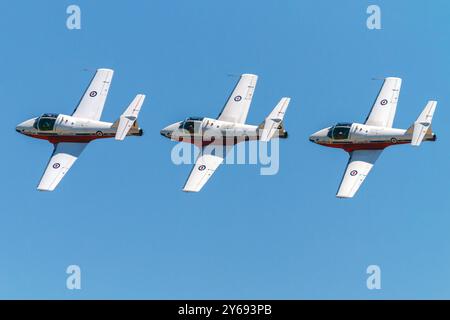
{"x": 120, "y": 213}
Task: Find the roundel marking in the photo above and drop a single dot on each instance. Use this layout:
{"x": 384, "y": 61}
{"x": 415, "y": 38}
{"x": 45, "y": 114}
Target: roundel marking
{"x": 394, "y": 140}
{"x": 56, "y": 165}
{"x": 93, "y": 94}
{"x": 384, "y": 102}
{"x": 202, "y": 167}
{"x": 353, "y": 173}
{"x": 237, "y": 98}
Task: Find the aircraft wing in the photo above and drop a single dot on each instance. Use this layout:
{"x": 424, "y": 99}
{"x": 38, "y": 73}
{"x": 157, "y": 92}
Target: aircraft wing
{"x": 358, "y": 167}
{"x": 203, "y": 169}
{"x": 94, "y": 98}
{"x": 383, "y": 110}
{"x": 62, "y": 159}
{"x": 238, "y": 104}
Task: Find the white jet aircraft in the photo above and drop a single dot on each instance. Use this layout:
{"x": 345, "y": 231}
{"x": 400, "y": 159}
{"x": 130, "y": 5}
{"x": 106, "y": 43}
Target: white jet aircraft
{"x": 227, "y": 130}
{"x": 71, "y": 134}
{"x": 365, "y": 142}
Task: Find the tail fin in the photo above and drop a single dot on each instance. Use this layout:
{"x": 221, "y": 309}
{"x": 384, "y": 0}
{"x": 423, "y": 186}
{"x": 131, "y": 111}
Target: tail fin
{"x": 274, "y": 122}
{"x": 422, "y": 126}
{"x": 128, "y": 119}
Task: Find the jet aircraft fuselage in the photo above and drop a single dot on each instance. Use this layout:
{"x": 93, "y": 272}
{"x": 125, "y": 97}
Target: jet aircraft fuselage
{"x": 63, "y": 128}
{"x": 206, "y": 131}
{"x": 357, "y": 136}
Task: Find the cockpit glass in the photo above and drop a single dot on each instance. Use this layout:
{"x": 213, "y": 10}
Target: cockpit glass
{"x": 340, "y": 131}
{"x": 192, "y": 124}
{"x": 50, "y": 115}
{"x": 47, "y": 122}
{"x": 189, "y": 126}
{"x": 330, "y": 133}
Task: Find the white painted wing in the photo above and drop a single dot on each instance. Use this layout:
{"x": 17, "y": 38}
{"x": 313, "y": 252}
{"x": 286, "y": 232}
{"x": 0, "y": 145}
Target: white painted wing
{"x": 203, "y": 169}
{"x": 129, "y": 117}
{"x": 238, "y": 104}
{"x": 94, "y": 98}
{"x": 358, "y": 167}
{"x": 62, "y": 159}
{"x": 383, "y": 110}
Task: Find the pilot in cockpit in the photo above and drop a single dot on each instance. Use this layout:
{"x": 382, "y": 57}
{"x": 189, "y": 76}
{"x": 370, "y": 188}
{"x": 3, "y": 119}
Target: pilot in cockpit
{"x": 192, "y": 125}
{"x": 46, "y": 122}
{"x": 340, "y": 131}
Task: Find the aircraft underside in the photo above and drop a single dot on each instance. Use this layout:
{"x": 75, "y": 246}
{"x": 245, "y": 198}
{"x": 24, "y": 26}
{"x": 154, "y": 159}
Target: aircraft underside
{"x": 352, "y": 146}
{"x": 379, "y": 144}
{"x": 85, "y": 138}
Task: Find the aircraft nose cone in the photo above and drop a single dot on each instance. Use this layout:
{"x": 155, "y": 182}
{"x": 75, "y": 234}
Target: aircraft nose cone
{"x": 165, "y": 133}
{"x": 25, "y": 126}
{"x": 319, "y": 135}
{"x": 314, "y": 137}
{"x": 21, "y": 127}
{"x": 170, "y": 130}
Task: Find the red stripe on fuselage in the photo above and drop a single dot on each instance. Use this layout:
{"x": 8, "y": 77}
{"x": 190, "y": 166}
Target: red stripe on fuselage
{"x": 349, "y": 147}
{"x": 58, "y": 139}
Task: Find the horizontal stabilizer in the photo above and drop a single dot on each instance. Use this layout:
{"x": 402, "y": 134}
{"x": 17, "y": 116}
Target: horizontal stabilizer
{"x": 423, "y": 123}
{"x": 273, "y": 121}
{"x": 129, "y": 117}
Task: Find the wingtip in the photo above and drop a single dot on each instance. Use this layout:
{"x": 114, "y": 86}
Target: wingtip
{"x": 249, "y": 75}
{"x": 107, "y": 70}
{"x": 340, "y": 196}
{"x": 393, "y": 78}
{"x": 142, "y": 97}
